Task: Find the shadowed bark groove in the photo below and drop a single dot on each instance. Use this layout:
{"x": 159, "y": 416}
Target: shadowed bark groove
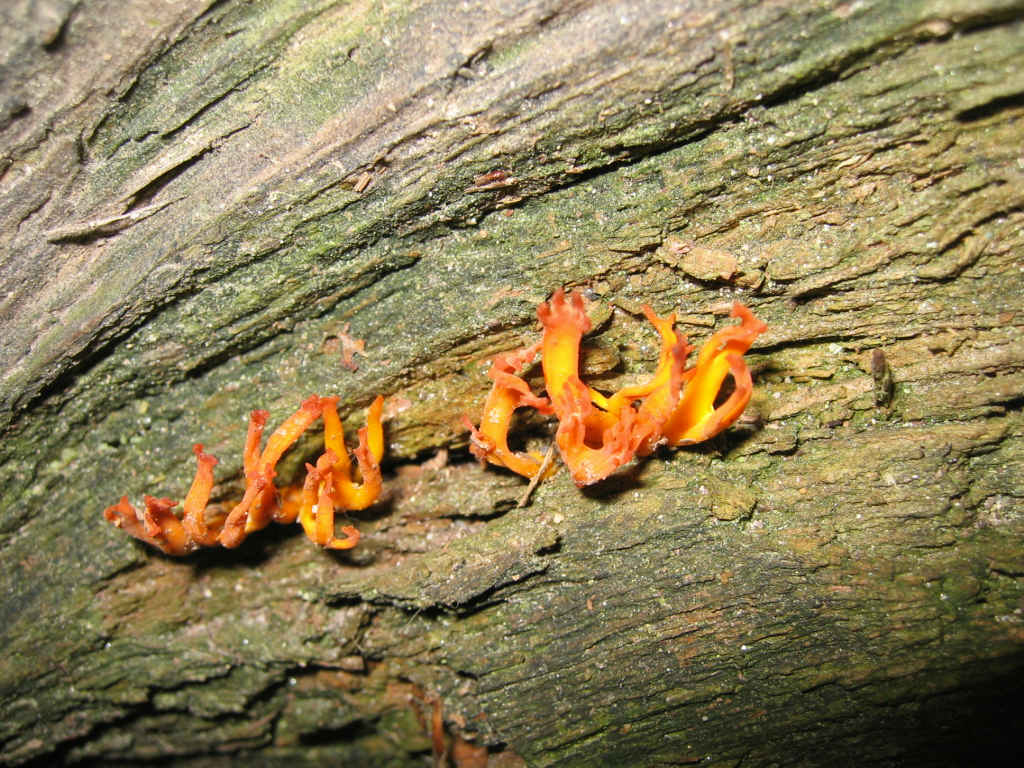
{"x": 197, "y": 202}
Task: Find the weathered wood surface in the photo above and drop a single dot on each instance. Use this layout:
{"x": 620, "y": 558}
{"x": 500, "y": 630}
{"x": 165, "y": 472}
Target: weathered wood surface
{"x": 196, "y": 197}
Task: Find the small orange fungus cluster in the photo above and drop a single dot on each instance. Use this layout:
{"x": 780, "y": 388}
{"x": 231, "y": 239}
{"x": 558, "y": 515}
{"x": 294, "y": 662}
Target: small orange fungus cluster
{"x": 599, "y": 433}
{"x": 329, "y": 486}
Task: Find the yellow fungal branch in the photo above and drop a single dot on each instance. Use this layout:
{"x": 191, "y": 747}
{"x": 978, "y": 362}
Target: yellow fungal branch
{"x": 329, "y": 486}
{"x": 696, "y": 418}
{"x": 509, "y": 393}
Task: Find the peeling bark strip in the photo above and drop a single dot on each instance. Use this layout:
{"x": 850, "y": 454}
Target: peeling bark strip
{"x": 193, "y": 200}
{"x": 103, "y": 227}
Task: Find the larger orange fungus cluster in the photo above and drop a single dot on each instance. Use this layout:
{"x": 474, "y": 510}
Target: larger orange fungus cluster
{"x": 329, "y": 485}
{"x": 598, "y": 433}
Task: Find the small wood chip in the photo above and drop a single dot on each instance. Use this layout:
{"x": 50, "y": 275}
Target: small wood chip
{"x": 882, "y": 374}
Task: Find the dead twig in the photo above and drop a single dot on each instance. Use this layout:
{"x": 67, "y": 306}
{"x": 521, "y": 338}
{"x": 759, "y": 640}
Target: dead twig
{"x": 535, "y": 480}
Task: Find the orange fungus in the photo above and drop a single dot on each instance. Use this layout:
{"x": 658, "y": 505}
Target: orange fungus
{"x": 329, "y": 486}
{"x": 597, "y": 434}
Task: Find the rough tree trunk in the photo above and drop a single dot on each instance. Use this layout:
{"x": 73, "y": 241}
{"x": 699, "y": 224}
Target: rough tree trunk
{"x": 198, "y": 196}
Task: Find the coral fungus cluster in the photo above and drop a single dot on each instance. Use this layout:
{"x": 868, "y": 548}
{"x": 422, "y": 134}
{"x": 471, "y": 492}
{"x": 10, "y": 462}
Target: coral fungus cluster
{"x": 596, "y": 433}
{"x": 328, "y": 486}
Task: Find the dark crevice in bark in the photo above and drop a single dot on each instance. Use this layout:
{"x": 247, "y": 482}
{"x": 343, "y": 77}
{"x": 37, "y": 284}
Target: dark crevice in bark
{"x": 991, "y": 109}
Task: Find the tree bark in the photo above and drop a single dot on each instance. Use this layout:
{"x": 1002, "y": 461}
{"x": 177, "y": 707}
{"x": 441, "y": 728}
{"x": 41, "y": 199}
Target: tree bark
{"x": 200, "y": 200}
